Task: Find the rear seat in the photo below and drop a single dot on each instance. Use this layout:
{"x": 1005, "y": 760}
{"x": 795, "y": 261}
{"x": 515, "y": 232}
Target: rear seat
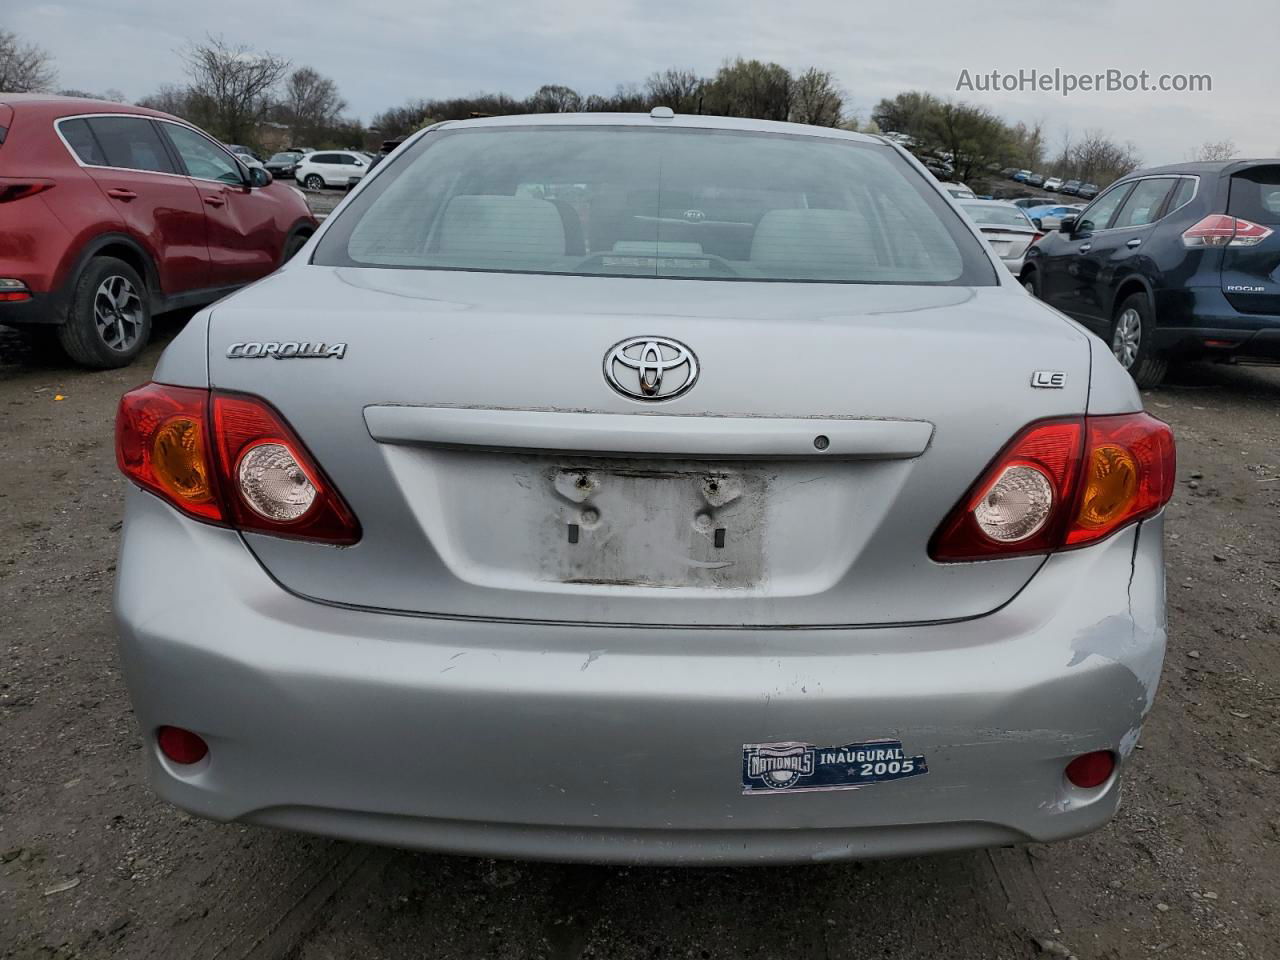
{"x": 815, "y": 241}
{"x": 489, "y": 226}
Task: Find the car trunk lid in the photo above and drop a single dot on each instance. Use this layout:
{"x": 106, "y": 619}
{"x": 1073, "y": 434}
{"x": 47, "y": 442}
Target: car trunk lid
{"x": 496, "y": 474}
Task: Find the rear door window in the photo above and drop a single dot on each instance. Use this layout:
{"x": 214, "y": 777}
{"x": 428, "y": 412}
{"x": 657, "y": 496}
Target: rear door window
{"x": 1145, "y": 202}
{"x": 1255, "y": 195}
{"x": 81, "y": 140}
{"x": 1186, "y": 189}
{"x": 131, "y": 143}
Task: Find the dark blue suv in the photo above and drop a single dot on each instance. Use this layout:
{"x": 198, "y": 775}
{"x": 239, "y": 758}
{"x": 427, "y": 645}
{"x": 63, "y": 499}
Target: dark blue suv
{"x": 1176, "y": 262}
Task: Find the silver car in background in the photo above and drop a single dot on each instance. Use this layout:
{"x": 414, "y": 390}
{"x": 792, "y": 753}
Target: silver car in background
{"x": 1006, "y": 228}
{"x": 643, "y": 488}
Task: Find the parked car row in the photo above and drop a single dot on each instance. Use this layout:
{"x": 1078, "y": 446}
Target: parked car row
{"x": 314, "y": 169}
{"x": 128, "y": 212}
{"x": 1073, "y": 188}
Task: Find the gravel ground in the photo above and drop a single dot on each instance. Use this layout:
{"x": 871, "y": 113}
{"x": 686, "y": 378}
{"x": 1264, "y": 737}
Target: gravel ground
{"x": 92, "y": 865}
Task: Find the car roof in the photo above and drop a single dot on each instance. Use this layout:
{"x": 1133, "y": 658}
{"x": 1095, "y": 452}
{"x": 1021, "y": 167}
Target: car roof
{"x": 1205, "y": 167}
{"x": 51, "y": 106}
{"x": 645, "y": 119}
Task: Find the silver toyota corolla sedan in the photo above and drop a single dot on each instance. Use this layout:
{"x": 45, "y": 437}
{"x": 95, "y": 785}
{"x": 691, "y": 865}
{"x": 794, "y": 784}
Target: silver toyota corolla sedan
{"x": 650, "y": 489}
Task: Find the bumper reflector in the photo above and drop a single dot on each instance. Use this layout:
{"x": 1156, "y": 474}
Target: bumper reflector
{"x": 1091, "y": 769}
{"x": 181, "y": 746}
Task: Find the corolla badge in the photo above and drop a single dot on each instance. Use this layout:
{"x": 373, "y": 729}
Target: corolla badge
{"x": 285, "y": 350}
{"x": 651, "y": 368}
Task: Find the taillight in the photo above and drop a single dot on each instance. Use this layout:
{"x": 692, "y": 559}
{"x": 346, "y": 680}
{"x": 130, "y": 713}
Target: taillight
{"x": 162, "y": 445}
{"x": 12, "y": 290}
{"x": 1221, "y": 230}
{"x": 228, "y": 459}
{"x": 279, "y": 488}
{"x": 1059, "y": 484}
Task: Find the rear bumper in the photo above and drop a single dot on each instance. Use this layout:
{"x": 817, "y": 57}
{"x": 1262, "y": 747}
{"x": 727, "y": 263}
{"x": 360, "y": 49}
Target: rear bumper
{"x": 622, "y": 744}
{"x": 1200, "y": 321}
{"x": 41, "y": 309}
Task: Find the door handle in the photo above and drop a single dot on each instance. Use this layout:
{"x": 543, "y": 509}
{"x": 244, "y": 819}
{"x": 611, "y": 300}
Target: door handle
{"x": 1086, "y": 247}
{"x": 1136, "y": 241}
{"x": 214, "y": 201}
{"x": 120, "y": 193}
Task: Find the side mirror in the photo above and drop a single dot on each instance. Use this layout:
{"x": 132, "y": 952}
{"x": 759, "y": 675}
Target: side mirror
{"x": 1039, "y": 224}
{"x": 259, "y": 176}
{"x": 1068, "y": 225}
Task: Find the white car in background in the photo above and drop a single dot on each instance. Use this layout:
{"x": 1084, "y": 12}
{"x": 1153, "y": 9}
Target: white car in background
{"x": 1053, "y": 183}
{"x": 331, "y": 168}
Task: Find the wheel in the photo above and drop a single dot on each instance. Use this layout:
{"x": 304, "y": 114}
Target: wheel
{"x": 313, "y": 181}
{"x": 295, "y": 243}
{"x": 1133, "y": 341}
{"x": 1030, "y": 281}
{"x": 109, "y": 319}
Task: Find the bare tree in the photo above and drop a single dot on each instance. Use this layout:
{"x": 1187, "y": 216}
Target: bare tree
{"x": 816, "y": 99}
{"x": 24, "y": 67}
{"x": 554, "y": 98}
{"x": 1216, "y": 150}
{"x": 681, "y": 90}
{"x": 233, "y": 85}
{"x": 1097, "y": 158}
{"x": 750, "y": 88}
{"x": 312, "y": 105}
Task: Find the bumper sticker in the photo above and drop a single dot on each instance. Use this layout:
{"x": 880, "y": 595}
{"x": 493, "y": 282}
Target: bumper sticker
{"x": 799, "y": 767}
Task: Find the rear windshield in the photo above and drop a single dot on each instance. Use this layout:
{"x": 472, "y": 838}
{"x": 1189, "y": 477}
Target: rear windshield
{"x": 674, "y": 202}
{"x": 996, "y": 216}
{"x": 1255, "y": 195}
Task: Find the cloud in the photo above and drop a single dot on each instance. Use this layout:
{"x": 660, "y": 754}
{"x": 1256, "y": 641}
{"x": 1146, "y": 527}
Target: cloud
{"x": 386, "y": 53}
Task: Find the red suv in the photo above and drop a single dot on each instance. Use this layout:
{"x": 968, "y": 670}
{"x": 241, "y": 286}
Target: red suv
{"x": 110, "y": 213}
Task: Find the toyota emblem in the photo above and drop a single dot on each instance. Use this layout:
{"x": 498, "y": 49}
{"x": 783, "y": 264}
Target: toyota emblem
{"x": 651, "y": 368}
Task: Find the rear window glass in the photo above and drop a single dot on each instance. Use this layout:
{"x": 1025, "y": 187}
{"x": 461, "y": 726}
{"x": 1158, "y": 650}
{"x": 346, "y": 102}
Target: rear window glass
{"x": 630, "y": 201}
{"x": 131, "y": 143}
{"x": 996, "y": 216}
{"x": 82, "y": 142}
{"x": 1255, "y": 195}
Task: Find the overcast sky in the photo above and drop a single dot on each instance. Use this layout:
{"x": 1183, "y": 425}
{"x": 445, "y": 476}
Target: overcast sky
{"x": 385, "y": 52}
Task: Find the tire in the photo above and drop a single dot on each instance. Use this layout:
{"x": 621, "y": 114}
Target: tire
{"x": 292, "y": 245}
{"x": 109, "y": 319}
{"x": 1030, "y": 281}
{"x": 1133, "y": 341}
{"x": 313, "y": 181}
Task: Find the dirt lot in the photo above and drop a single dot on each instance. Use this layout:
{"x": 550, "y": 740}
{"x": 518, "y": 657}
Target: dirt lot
{"x": 91, "y": 865}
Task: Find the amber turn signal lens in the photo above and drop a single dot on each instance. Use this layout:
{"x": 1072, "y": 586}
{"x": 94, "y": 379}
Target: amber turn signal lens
{"x": 178, "y": 459}
{"x": 1111, "y": 483}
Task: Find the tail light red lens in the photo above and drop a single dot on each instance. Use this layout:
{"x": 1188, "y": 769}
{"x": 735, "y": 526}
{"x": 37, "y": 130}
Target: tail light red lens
{"x": 278, "y": 487}
{"x": 1220, "y": 230}
{"x": 162, "y": 445}
{"x": 1060, "y": 484}
{"x": 228, "y": 459}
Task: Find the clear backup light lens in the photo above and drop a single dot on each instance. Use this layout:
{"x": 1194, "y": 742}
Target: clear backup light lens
{"x": 274, "y": 484}
{"x": 1016, "y": 506}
